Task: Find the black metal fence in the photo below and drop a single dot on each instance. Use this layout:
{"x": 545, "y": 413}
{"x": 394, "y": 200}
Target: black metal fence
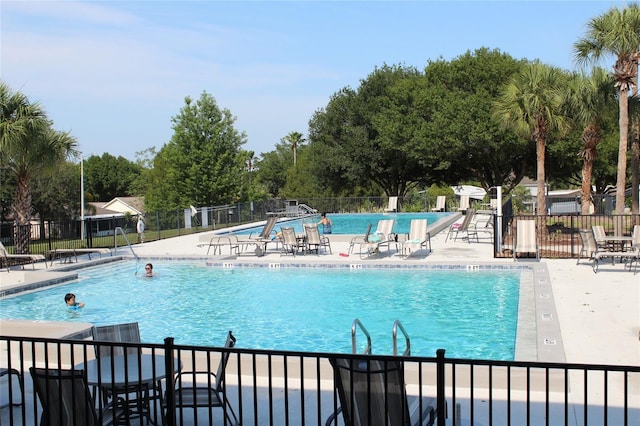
{"x": 297, "y": 388}
{"x": 99, "y": 232}
{"x": 559, "y": 237}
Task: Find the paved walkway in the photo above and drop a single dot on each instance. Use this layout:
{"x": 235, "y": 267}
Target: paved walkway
{"x": 598, "y": 314}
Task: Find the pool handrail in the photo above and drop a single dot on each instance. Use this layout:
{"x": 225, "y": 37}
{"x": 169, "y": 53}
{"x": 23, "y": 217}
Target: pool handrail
{"x": 407, "y": 350}
{"x": 356, "y": 323}
{"x": 115, "y": 242}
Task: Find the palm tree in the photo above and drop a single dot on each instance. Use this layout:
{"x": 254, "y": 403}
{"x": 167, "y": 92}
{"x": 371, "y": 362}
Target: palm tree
{"x": 28, "y": 145}
{"x": 530, "y": 104}
{"x": 588, "y": 99}
{"x": 251, "y": 167}
{"x": 295, "y": 139}
{"x": 635, "y": 157}
{"x": 617, "y": 33}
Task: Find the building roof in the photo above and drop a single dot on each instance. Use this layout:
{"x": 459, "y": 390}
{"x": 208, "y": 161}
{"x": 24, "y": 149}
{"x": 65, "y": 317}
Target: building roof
{"x": 119, "y": 206}
{"x": 133, "y": 205}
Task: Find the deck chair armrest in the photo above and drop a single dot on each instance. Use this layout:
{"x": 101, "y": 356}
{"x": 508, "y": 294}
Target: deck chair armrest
{"x": 333, "y": 417}
{"x": 114, "y": 410}
{"x": 391, "y": 237}
{"x": 212, "y": 379}
{"x": 429, "y": 416}
{"x": 116, "y": 402}
{"x": 429, "y": 412}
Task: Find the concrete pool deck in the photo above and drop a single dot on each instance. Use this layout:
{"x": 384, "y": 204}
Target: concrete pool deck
{"x": 598, "y": 315}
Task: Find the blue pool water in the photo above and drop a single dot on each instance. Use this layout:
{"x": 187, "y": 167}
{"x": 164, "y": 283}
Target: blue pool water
{"x": 470, "y": 314}
{"x": 355, "y": 224}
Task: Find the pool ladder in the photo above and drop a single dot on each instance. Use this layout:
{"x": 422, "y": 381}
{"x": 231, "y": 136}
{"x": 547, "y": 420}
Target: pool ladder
{"x": 115, "y": 242}
{"x": 354, "y": 329}
{"x": 397, "y": 325}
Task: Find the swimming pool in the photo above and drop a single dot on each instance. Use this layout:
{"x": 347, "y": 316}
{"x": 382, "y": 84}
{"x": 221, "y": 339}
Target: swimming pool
{"x": 356, "y": 223}
{"x": 472, "y": 314}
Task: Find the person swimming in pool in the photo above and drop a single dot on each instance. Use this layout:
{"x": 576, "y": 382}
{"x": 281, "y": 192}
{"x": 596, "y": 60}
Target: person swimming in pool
{"x": 70, "y": 300}
{"x": 148, "y": 270}
{"x": 326, "y": 223}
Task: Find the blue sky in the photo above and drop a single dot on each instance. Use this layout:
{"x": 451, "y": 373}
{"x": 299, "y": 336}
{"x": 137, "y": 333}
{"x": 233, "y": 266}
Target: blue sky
{"x": 114, "y": 73}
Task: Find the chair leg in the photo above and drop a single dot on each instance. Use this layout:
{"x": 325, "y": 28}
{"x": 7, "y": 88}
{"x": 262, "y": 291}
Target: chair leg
{"x": 13, "y": 372}
{"x": 229, "y": 409}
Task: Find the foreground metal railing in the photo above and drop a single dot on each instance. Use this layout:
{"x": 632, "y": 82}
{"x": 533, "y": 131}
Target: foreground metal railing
{"x": 297, "y": 388}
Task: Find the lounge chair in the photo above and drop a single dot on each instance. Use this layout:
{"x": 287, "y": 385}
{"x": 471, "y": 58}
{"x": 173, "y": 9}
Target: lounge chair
{"x": 457, "y": 228}
{"x": 382, "y": 237}
{"x": 359, "y": 239}
{"x": 489, "y": 208}
{"x": 464, "y": 203}
{"x": 441, "y": 203}
{"x": 291, "y": 244}
{"x": 19, "y": 259}
{"x": 267, "y": 230}
{"x": 600, "y": 237}
{"x": 417, "y": 238}
{"x": 481, "y": 223}
{"x": 635, "y": 244}
{"x": 13, "y": 372}
{"x": 314, "y": 239}
{"x": 373, "y": 393}
{"x": 210, "y": 392}
{"x": 66, "y": 399}
{"x": 526, "y": 238}
{"x": 219, "y": 241}
{"x": 635, "y": 238}
{"x": 65, "y": 255}
{"x": 393, "y": 205}
{"x": 239, "y": 244}
{"x": 589, "y": 247}
{"x": 629, "y": 256}
{"x": 260, "y": 241}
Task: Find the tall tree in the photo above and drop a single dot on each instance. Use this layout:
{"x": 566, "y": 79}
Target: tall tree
{"x": 300, "y": 181}
{"x": 458, "y": 102}
{"x": 202, "y": 163}
{"x": 372, "y": 134}
{"x": 588, "y": 98}
{"x": 616, "y": 33}
{"x": 273, "y": 166}
{"x": 635, "y": 155}
{"x": 107, "y": 177}
{"x": 28, "y": 145}
{"x": 144, "y": 160}
{"x": 531, "y": 104}
{"x": 295, "y": 139}
{"x": 56, "y": 193}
